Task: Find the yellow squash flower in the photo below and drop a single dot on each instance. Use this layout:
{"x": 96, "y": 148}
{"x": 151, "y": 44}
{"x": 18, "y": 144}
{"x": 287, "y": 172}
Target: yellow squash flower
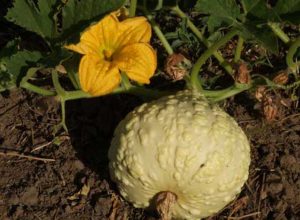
{"x": 111, "y": 46}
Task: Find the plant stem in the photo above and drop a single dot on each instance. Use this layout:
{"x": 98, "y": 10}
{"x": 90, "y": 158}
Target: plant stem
{"x": 67, "y": 95}
{"x": 198, "y": 34}
{"x": 219, "y": 95}
{"x": 37, "y": 89}
{"x": 132, "y": 8}
{"x": 78, "y": 94}
{"x": 213, "y": 96}
{"x": 60, "y": 93}
{"x": 190, "y": 24}
{"x": 74, "y": 80}
{"x": 158, "y": 32}
{"x": 59, "y": 89}
{"x": 125, "y": 81}
{"x": 279, "y": 32}
{"x": 290, "y": 55}
{"x": 26, "y": 85}
{"x": 64, "y": 96}
{"x": 142, "y": 92}
{"x": 238, "y": 50}
{"x": 202, "y": 59}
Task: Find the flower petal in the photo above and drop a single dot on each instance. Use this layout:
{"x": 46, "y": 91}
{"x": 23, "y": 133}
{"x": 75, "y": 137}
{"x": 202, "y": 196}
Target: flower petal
{"x": 99, "y": 36}
{"x": 83, "y": 48}
{"x": 134, "y": 30}
{"x": 138, "y": 61}
{"x": 97, "y": 77}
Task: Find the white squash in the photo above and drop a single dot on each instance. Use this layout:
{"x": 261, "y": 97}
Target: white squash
{"x": 184, "y": 145}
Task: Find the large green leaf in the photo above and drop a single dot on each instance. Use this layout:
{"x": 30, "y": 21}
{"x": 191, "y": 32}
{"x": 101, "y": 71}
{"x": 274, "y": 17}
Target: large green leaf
{"x": 13, "y": 63}
{"x": 284, "y": 10}
{"x": 289, "y": 10}
{"x": 262, "y": 34}
{"x": 252, "y": 27}
{"x": 287, "y": 6}
{"x": 249, "y": 5}
{"x": 158, "y": 4}
{"x": 78, "y": 14}
{"x": 220, "y": 10}
{"x": 34, "y": 17}
{"x": 213, "y": 23}
{"x": 259, "y": 9}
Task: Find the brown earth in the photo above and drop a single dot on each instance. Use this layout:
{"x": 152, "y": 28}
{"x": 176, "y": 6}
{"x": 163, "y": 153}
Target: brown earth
{"x": 76, "y": 185}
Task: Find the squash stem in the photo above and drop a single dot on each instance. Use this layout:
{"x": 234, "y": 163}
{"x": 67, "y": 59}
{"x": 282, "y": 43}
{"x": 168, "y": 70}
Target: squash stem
{"x": 142, "y": 92}
{"x": 200, "y": 36}
{"x": 202, "y": 59}
{"x": 293, "y": 65}
{"x": 279, "y": 32}
{"x": 37, "y": 89}
{"x": 26, "y": 85}
{"x": 158, "y": 32}
{"x": 238, "y": 50}
{"x": 132, "y": 8}
{"x": 64, "y": 96}
{"x": 163, "y": 203}
{"x": 219, "y": 95}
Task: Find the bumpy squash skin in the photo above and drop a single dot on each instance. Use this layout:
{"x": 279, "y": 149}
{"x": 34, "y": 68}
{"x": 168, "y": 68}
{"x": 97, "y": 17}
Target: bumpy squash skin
{"x": 182, "y": 144}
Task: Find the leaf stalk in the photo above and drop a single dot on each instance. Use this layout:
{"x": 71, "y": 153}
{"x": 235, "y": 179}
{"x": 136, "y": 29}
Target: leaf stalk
{"x": 200, "y": 36}
{"x": 202, "y": 59}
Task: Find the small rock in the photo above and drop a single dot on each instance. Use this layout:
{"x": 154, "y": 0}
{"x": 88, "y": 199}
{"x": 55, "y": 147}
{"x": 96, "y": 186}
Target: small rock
{"x": 273, "y": 178}
{"x": 14, "y": 199}
{"x": 68, "y": 209}
{"x": 79, "y": 165}
{"x": 275, "y": 188}
{"x": 30, "y": 197}
{"x": 287, "y": 160}
{"x": 103, "y": 206}
{"x": 290, "y": 163}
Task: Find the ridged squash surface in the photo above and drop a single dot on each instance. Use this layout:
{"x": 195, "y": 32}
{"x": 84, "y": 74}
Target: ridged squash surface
{"x": 182, "y": 144}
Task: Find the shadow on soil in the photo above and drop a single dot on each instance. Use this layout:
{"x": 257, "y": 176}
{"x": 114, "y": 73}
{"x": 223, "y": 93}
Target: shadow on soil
{"x": 91, "y": 123}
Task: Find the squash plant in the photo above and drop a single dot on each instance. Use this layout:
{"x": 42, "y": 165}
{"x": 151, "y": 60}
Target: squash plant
{"x": 199, "y": 157}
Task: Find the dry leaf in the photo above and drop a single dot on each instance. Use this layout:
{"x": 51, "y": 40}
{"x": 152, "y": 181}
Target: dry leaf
{"x": 116, "y": 204}
{"x": 260, "y": 93}
{"x": 176, "y": 67}
{"x": 164, "y": 203}
{"x": 242, "y": 75}
{"x": 84, "y": 191}
{"x": 60, "y": 68}
{"x": 240, "y": 203}
{"x": 281, "y": 78}
{"x": 270, "y": 109}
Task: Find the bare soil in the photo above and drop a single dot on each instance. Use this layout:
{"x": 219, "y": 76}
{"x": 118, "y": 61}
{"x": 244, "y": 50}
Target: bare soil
{"x": 76, "y": 184}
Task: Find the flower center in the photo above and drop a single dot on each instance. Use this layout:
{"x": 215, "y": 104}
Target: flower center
{"x": 107, "y": 55}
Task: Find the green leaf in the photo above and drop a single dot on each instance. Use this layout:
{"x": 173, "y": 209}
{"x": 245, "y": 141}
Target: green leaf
{"x": 260, "y": 9}
{"x": 56, "y": 57}
{"x": 289, "y": 10}
{"x": 262, "y": 34}
{"x": 11, "y": 48}
{"x": 34, "y": 17}
{"x": 13, "y": 63}
{"x": 213, "y": 23}
{"x": 223, "y": 10}
{"x": 293, "y": 18}
{"x": 153, "y": 5}
{"x": 187, "y": 4}
{"x": 287, "y": 6}
{"x": 284, "y": 10}
{"x": 248, "y": 5}
{"x": 77, "y": 15}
